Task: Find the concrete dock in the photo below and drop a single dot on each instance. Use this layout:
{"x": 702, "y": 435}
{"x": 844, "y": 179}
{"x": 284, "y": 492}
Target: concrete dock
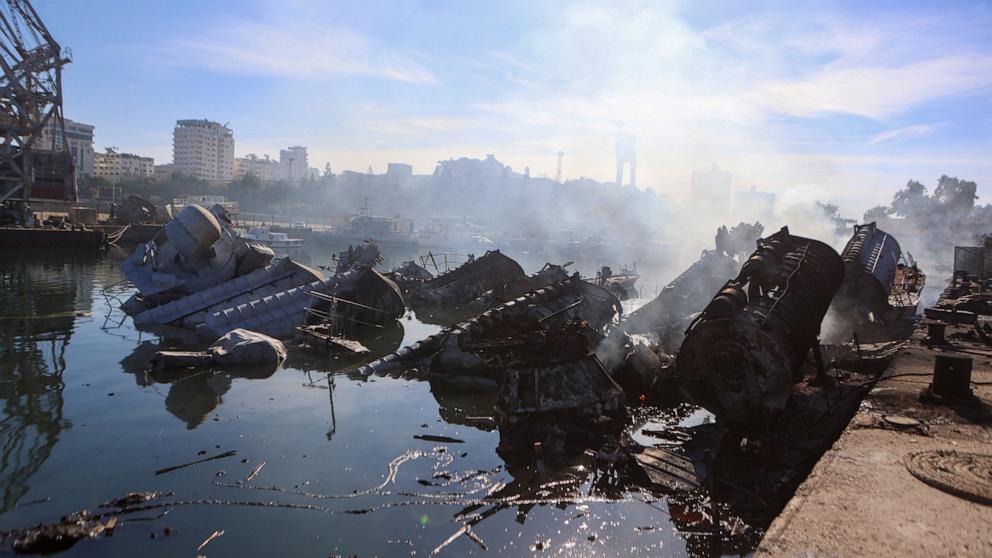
{"x": 861, "y": 498}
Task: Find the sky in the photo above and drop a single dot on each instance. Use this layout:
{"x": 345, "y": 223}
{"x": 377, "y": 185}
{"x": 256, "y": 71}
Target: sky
{"x": 843, "y": 101}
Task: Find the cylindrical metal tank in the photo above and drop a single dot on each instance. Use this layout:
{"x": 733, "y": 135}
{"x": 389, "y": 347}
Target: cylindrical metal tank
{"x": 870, "y": 261}
{"x": 740, "y": 358}
{"x": 193, "y": 232}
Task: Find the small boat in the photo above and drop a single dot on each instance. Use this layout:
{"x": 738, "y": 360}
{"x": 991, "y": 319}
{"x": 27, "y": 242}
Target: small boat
{"x": 621, "y": 284}
{"x": 274, "y": 240}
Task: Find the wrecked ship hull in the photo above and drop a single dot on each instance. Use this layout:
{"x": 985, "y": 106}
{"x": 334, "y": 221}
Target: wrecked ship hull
{"x": 192, "y": 310}
{"x": 467, "y": 282}
{"x": 878, "y": 291}
{"x": 278, "y": 315}
{"x": 537, "y": 397}
{"x": 670, "y": 313}
{"x": 456, "y": 350}
{"x": 667, "y": 315}
{"x": 743, "y": 353}
{"x": 196, "y": 250}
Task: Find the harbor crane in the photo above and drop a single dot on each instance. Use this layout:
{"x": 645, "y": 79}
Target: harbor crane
{"x": 35, "y": 161}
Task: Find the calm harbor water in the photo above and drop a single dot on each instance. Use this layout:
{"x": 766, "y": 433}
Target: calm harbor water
{"x": 84, "y": 421}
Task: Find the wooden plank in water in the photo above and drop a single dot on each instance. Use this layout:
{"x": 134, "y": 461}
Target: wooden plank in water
{"x": 668, "y": 470}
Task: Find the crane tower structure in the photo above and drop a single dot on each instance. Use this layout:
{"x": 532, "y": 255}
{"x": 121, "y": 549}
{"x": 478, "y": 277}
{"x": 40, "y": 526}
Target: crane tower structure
{"x": 32, "y": 168}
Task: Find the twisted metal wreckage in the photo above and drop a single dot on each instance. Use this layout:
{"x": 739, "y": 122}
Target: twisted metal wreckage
{"x": 552, "y": 345}
{"x": 556, "y": 354}
{"x": 880, "y": 286}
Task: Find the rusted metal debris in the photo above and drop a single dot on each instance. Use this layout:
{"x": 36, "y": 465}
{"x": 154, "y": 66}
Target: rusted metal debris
{"x": 134, "y": 209}
{"x": 409, "y": 276}
{"x": 542, "y": 396}
{"x": 741, "y": 356}
{"x": 669, "y": 314}
{"x": 619, "y": 283}
{"x": 467, "y": 282}
{"x": 365, "y": 254}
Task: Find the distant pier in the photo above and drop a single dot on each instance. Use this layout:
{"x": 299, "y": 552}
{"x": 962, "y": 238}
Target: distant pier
{"x": 66, "y": 239}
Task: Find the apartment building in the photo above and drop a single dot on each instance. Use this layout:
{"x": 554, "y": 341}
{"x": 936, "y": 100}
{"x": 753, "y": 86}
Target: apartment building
{"x": 119, "y": 166}
{"x": 203, "y": 149}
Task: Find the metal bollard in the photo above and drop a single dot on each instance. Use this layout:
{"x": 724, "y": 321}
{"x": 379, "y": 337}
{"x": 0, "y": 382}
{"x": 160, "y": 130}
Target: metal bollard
{"x": 952, "y": 376}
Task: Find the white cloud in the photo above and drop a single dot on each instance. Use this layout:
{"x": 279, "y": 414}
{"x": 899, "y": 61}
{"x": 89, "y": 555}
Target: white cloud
{"x": 296, "y": 48}
{"x": 878, "y": 92}
{"x": 914, "y": 131}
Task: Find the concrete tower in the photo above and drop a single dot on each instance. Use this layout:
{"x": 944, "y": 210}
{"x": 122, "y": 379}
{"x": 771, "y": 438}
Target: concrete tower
{"x": 626, "y": 153}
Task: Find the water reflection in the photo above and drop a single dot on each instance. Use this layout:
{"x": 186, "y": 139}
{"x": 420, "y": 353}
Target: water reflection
{"x": 40, "y": 301}
{"x": 193, "y": 393}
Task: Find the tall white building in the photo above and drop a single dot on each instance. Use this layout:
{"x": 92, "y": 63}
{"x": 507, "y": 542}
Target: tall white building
{"x": 80, "y": 139}
{"x": 203, "y": 149}
{"x": 293, "y": 163}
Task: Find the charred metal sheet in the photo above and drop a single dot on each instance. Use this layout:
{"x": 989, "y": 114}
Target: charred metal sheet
{"x": 468, "y": 281}
{"x": 741, "y": 355}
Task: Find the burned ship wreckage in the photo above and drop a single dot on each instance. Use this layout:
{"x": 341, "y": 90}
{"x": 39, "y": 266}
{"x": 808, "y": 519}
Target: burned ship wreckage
{"x": 738, "y": 334}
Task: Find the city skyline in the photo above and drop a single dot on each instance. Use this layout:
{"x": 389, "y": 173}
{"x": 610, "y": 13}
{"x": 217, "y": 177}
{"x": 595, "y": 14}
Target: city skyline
{"x": 842, "y": 102}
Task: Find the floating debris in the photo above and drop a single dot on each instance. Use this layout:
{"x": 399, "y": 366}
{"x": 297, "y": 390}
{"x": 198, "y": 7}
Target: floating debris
{"x": 238, "y": 346}
{"x": 440, "y": 439}
{"x": 213, "y": 536}
{"x": 164, "y": 470}
{"x": 254, "y": 472}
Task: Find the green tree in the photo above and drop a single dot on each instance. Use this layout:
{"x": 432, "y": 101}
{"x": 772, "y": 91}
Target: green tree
{"x": 876, "y": 213}
{"x": 955, "y": 196}
{"x": 911, "y": 201}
